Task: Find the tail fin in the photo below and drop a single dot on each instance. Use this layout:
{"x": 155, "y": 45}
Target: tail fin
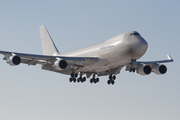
{"x": 48, "y": 45}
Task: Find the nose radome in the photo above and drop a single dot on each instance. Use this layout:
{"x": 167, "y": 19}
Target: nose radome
{"x": 143, "y": 44}
{"x": 139, "y": 45}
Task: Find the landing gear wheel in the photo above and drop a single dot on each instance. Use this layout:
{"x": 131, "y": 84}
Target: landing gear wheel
{"x": 97, "y": 79}
{"x": 112, "y": 82}
{"x": 78, "y": 80}
{"x": 114, "y": 77}
{"x": 133, "y": 69}
{"x": 72, "y": 75}
{"x": 75, "y": 75}
{"x": 130, "y": 70}
{"x": 84, "y": 79}
{"x": 108, "y": 82}
{"x": 91, "y": 81}
{"x": 74, "y": 79}
{"x": 70, "y": 80}
{"x": 110, "y": 77}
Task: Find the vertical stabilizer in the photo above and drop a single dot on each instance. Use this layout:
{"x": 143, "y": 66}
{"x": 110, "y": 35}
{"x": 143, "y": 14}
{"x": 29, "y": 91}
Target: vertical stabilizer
{"x": 48, "y": 45}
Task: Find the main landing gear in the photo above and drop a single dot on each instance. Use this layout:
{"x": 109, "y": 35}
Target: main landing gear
{"x": 111, "y": 79}
{"x": 81, "y": 79}
{"x": 74, "y": 76}
{"x": 94, "y": 80}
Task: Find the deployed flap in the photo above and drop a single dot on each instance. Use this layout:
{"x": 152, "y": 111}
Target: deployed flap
{"x": 48, "y": 45}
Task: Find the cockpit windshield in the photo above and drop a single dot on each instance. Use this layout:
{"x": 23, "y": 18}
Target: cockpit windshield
{"x": 135, "y": 33}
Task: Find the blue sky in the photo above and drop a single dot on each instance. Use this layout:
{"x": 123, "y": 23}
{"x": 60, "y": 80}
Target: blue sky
{"x": 31, "y": 93}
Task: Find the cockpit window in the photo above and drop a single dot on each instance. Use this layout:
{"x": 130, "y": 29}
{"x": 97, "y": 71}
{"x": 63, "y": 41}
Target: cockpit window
{"x": 134, "y": 34}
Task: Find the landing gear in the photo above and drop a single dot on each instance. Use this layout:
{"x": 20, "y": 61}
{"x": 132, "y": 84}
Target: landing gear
{"x": 110, "y": 82}
{"x": 74, "y": 76}
{"x": 72, "y": 79}
{"x": 94, "y": 80}
{"x": 80, "y": 79}
{"x": 111, "y": 79}
{"x": 132, "y": 69}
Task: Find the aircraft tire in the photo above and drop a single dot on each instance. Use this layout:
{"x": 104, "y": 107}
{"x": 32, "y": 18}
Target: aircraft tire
{"x": 108, "y": 82}
{"x": 91, "y": 81}
{"x": 84, "y": 79}
{"x": 133, "y": 69}
{"x": 70, "y": 80}
{"x": 97, "y": 79}
{"x": 112, "y": 82}
{"x": 75, "y": 75}
{"x": 74, "y": 79}
{"x": 114, "y": 77}
{"x": 110, "y": 77}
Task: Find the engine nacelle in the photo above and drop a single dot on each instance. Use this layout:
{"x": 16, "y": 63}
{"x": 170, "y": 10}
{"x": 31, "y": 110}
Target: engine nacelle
{"x": 13, "y": 60}
{"x": 160, "y": 69}
{"x": 60, "y": 64}
{"x": 144, "y": 70}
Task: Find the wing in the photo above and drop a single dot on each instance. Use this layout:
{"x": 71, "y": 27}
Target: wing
{"x": 154, "y": 66}
{"x": 45, "y": 60}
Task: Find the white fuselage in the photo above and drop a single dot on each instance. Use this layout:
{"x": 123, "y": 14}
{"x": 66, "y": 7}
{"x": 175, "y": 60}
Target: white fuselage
{"x": 114, "y": 52}
{"x": 107, "y": 58}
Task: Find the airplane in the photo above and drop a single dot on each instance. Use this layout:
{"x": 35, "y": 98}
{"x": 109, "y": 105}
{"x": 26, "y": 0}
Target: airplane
{"x": 104, "y": 59}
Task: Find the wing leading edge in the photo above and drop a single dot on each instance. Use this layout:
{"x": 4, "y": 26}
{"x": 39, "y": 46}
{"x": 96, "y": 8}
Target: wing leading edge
{"x": 33, "y": 59}
{"x": 145, "y": 67}
{"x": 169, "y": 59}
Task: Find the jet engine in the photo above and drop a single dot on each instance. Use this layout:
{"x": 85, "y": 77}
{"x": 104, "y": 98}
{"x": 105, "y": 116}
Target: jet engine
{"x": 60, "y": 64}
{"x": 159, "y": 69}
{"x": 13, "y": 60}
{"x": 144, "y": 70}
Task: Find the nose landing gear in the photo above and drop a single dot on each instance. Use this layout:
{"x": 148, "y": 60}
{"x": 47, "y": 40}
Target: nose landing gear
{"x": 132, "y": 69}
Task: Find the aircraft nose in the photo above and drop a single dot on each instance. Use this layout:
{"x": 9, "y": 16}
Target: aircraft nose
{"x": 143, "y": 44}
{"x": 139, "y": 45}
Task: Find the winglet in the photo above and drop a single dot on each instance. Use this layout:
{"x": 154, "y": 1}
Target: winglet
{"x": 169, "y": 57}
